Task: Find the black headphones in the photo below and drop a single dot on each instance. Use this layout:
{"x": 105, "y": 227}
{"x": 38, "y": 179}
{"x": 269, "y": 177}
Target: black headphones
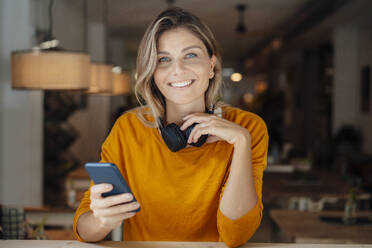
{"x": 176, "y": 139}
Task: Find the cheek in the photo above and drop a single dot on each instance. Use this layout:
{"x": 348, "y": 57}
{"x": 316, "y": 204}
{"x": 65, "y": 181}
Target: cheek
{"x": 201, "y": 67}
{"x": 202, "y": 71}
{"x": 158, "y": 77}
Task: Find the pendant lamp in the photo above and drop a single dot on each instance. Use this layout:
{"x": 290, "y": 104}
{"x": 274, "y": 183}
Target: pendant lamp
{"x": 48, "y": 67}
{"x": 50, "y": 70}
{"x": 120, "y": 83}
{"x": 101, "y": 77}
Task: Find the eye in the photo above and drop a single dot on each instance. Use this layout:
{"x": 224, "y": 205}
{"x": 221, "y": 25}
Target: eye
{"x": 191, "y": 55}
{"x": 164, "y": 59}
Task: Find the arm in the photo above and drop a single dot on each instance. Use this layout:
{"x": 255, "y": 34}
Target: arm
{"x": 105, "y": 214}
{"x": 97, "y": 216}
{"x": 240, "y": 209}
{"x": 88, "y": 228}
{"x": 240, "y": 194}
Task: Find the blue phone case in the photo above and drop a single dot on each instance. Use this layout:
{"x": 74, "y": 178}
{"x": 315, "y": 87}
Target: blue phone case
{"x": 108, "y": 173}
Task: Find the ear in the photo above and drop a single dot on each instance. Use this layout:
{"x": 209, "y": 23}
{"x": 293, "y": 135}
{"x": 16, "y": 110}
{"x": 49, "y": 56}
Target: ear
{"x": 213, "y": 60}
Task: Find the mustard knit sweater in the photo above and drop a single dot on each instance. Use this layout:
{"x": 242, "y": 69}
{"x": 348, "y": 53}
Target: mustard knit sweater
{"x": 179, "y": 192}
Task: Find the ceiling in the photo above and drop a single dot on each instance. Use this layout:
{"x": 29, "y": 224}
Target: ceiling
{"x": 128, "y": 19}
{"x": 356, "y": 12}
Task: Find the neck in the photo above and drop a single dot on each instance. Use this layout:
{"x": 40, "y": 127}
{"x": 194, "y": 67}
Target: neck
{"x": 175, "y": 112}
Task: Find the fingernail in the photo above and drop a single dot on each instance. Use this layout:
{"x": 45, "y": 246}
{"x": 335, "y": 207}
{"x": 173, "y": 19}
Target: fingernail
{"x": 128, "y": 196}
{"x": 136, "y": 204}
{"x": 108, "y": 187}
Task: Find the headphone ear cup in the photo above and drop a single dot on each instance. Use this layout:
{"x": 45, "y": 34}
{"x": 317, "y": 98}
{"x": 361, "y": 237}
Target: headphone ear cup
{"x": 174, "y": 137}
{"x": 200, "y": 141}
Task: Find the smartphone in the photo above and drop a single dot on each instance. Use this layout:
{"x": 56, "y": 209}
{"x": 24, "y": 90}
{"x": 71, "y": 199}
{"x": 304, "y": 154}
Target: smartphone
{"x": 109, "y": 173}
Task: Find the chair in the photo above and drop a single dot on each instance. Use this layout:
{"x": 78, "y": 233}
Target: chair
{"x": 12, "y": 223}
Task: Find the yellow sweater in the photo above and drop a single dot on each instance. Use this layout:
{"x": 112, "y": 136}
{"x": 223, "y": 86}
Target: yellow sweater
{"x": 179, "y": 192}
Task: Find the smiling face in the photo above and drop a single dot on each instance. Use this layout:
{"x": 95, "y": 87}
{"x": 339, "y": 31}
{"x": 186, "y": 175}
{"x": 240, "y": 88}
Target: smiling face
{"x": 183, "y": 67}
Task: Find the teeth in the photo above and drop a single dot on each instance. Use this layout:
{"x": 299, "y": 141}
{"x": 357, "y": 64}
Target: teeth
{"x": 181, "y": 84}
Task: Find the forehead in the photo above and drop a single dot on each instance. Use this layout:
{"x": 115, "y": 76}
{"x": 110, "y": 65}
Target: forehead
{"x": 177, "y": 39}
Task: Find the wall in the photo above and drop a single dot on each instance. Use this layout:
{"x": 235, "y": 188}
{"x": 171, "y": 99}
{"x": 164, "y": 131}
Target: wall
{"x": 365, "y": 58}
{"x": 353, "y": 51}
{"x": 346, "y": 76}
{"x": 92, "y": 123}
{"x": 21, "y": 113}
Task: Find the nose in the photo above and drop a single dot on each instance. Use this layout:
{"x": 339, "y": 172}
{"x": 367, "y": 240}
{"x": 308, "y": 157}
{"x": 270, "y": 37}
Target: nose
{"x": 178, "y": 67}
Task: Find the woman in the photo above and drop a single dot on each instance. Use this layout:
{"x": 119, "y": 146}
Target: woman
{"x": 187, "y": 192}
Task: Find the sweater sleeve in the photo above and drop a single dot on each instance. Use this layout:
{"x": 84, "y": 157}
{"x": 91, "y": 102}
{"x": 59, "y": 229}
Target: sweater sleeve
{"x": 237, "y": 232}
{"x": 110, "y": 153}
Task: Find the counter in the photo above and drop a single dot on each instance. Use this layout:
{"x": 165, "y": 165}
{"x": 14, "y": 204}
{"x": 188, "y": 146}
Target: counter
{"x": 76, "y": 244}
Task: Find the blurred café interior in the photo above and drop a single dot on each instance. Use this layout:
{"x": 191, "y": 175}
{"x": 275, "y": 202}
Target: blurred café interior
{"x": 304, "y": 66}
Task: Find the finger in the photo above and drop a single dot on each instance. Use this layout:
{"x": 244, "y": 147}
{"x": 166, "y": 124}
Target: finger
{"x": 190, "y": 121}
{"x": 211, "y": 127}
{"x": 187, "y": 123}
{"x": 116, "y": 210}
{"x": 192, "y": 138}
{"x": 97, "y": 190}
{"x": 198, "y": 133}
{"x": 111, "y": 201}
{"x": 192, "y": 133}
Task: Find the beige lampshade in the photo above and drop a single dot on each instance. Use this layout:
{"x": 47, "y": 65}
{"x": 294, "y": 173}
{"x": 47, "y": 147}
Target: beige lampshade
{"x": 50, "y": 70}
{"x": 120, "y": 83}
{"x": 100, "y": 78}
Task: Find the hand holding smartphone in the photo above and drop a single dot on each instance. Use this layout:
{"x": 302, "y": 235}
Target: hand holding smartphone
{"x": 108, "y": 173}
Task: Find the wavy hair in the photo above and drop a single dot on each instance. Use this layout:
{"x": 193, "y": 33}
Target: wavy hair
{"x": 145, "y": 88}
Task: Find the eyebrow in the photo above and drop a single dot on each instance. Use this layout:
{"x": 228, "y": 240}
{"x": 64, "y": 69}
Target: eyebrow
{"x": 186, "y": 48}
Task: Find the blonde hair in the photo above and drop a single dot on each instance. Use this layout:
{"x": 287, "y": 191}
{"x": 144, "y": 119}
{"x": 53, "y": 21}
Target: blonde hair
{"x": 145, "y": 88}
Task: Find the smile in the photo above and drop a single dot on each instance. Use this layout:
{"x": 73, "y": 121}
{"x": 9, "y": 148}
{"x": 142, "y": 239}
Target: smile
{"x": 183, "y": 84}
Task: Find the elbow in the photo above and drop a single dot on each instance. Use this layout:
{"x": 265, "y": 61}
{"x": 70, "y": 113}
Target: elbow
{"x": 235, "y": 243}
{"x": 235, "y": 233}
{"x": 239, "y": 239}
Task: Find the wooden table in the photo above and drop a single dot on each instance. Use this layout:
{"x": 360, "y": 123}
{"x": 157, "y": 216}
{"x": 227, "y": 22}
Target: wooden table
{"x": 278, "y": 188}
{"x": 53, "y": 216}
{"x": 59, "y": 217}
{"x": 306, "y": 227}
{"x": 76, "y": 244}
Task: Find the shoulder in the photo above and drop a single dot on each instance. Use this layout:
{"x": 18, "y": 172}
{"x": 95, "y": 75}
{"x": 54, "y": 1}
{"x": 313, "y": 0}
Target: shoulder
{"x": 244, "y": 118}
{"x": 135, "y": 117}
{"x": 128, "y": 126}
{"x": 255, "y": 125}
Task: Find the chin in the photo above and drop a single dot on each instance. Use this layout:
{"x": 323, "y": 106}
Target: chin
{"x": 184, "y": 100}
